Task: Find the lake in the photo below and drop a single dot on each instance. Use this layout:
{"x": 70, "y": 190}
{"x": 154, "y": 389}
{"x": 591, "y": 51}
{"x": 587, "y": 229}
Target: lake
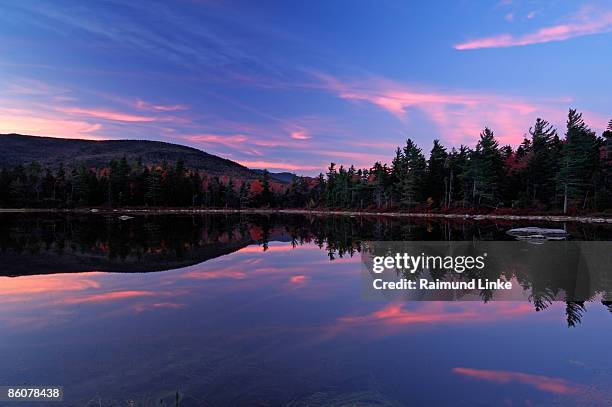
{"x": 267, "y": 310}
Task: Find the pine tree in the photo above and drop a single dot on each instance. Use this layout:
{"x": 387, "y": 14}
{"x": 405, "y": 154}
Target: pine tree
{"x": 381, "y": 185}
{"x": 606, "y": 166}
{"x": 412, "y": 175}
{"x": 579, "y": 160}
{"x": 459, "y": 181}
{"x": 486, "y": 169}
{"x": 437, "y": 174}
{"x": 244, "y": 194}
{"x": 266, "y": 193}
{"x": 541, "y": 164}
{"x": 153, "y": 187}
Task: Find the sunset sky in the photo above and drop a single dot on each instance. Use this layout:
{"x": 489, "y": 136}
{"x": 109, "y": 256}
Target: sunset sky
{"x": 294, "y": 85}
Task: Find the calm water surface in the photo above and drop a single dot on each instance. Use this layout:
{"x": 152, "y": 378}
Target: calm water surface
{"x": 268, "y": 311}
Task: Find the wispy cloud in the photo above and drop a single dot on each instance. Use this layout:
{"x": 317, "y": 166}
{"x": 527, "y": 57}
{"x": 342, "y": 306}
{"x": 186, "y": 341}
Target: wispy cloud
{"x": 226, "y": 140}
{"x": 196, "y": 41}
{"x": 141, "y": 104}
{"x": 587, "y": 22}
{"x": 106, "y": 114}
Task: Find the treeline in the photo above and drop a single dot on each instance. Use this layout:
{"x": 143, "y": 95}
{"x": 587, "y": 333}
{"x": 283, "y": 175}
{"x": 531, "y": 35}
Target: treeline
{"x": 545, "y": 173}
{"x": 126, "y": 184}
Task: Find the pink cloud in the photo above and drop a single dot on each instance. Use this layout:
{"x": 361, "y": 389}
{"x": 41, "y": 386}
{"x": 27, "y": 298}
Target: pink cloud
{"x": 280, "y": 165}
{"x": 40, "y": 123}
{"x": 543, "y": 383}
{"x": 588, "y": 22}
{"x": 459, "y": 115}
{"x": 106, "y": 115}
{"x": 246, "y": 137}
{"x": 226, "y": 140}
{"x": 300, "y": 135}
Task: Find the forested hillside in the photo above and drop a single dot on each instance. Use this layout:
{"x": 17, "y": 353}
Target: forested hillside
{"x": 16, "y": 149}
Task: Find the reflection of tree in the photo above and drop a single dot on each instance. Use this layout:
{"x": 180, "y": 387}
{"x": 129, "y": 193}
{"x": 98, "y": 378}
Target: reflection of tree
{"x": 573, "y": 312}
{"x": 543, "y": 298}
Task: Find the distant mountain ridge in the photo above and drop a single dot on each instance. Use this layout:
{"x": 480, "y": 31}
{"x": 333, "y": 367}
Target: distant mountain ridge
{"x": 284, "y": 177}
{"x": 16, "y": 149}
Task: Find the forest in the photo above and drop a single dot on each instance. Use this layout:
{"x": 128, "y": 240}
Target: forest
{"x": 547, "y": 172}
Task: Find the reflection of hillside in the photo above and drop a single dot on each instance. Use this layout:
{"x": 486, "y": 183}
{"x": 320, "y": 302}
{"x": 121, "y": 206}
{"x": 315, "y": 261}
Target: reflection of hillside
{"x": 71, "y": 261}
{"x": 45, "y": 245}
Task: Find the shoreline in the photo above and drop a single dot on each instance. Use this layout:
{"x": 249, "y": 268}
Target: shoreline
{"x": 315, "y": 212}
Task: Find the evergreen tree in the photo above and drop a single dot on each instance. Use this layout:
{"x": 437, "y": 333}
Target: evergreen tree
{"x": 579, "y": 160}
{"x": 606, "y": 167}
{"x": 244, "y": 194}
{"x": 266, "y": 193}
{"x": 541, "y": 165}
{"x": 437, "y": 174}
{"x": 153, "y": 187}
{"x": 486, "y": 170}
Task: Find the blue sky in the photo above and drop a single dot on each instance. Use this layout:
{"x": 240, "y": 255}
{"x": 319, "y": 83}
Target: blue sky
{"x": 295, "y": 85}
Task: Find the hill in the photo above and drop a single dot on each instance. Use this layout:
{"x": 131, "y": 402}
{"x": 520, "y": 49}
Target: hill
{"x": 18, "y": 149}
{"x": 284, "y": 177}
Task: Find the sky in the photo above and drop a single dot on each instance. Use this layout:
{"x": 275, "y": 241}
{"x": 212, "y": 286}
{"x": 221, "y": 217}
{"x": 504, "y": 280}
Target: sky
{"x": 292, "y": 86}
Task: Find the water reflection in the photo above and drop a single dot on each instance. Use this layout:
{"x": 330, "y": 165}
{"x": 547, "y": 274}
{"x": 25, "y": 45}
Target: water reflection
{"x": 284, "y": 326}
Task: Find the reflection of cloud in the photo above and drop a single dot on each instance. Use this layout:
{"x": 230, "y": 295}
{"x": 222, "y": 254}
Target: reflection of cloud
{"x": 138, "y": 308}
{"x": 438, "y": 312}
{"x": 298, "y": 280}
{"x": 271, "y": 248}
{"x": 108, "y": 296}
{"x": 543, "y": 383}
{"x": 587, "y": 23}
{"x": 222, "y": 274}
{"x": 12, "y": 289}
